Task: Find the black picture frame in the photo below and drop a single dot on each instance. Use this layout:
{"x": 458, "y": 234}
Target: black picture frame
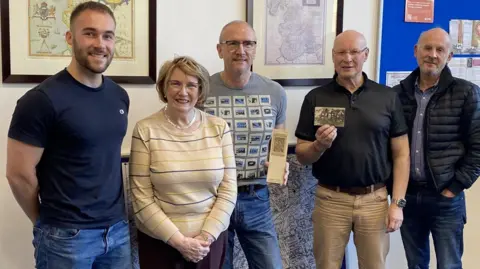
{"x": 303, "y": 81}
{"x": 8, "y": 77}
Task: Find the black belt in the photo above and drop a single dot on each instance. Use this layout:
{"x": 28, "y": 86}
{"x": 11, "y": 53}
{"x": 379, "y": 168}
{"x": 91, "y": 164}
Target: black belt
{"x": 355, "y": 190}
{"x": 249, "y": 188}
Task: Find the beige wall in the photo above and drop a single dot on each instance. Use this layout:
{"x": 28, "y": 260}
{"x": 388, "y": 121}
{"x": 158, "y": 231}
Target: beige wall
{"x": 178, "y": 24}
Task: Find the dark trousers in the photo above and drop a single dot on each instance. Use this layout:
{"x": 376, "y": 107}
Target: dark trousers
{"x": 430, "y": 212}
{"x": 155, "y": 254}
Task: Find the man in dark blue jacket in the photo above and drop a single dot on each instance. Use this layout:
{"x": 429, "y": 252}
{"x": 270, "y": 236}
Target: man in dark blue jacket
{"x": 443, "y": 115}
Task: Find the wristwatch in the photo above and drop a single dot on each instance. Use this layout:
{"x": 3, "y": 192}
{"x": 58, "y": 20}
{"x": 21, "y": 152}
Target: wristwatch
{"x": 399, "y": 202}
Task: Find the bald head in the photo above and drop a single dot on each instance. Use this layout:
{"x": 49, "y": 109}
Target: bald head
{"x": 351, "y": 38}
{"x": 235, "y": 26}
{"x": 437, "y": 35}
{"x": 237, "y": 48}
{"x": 433, "y": 51}
{"x": 349, "y": 54}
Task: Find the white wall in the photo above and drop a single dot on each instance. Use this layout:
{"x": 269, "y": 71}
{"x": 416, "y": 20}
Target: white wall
{"x": 178, "y": 33}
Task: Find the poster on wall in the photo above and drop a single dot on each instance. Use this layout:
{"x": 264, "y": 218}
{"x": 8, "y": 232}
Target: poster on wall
{"x": 465, "y": 36}
{"x": 419, "y": 11}
{"x": 295, "y": 39}
{"x": 34, "y": 44}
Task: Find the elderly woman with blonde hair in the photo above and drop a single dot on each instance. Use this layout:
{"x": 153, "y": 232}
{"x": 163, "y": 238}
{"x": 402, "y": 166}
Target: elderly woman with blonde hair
{"x": 182, "y": 175}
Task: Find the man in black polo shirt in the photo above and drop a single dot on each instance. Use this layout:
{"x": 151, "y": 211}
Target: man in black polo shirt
{"x": 443, "y": 116}
{"x": 353, "y": 162}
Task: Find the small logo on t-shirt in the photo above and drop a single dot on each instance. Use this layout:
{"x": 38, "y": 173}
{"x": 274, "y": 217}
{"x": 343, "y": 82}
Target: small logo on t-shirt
{"x": 121, "y": 111}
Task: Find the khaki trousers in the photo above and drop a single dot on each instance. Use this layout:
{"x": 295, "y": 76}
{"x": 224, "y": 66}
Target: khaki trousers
{"x": 336, "y": 214}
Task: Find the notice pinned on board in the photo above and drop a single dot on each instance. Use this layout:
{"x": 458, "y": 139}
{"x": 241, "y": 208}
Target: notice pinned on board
{"x": 466, "y": 68}
{"x": 394, "y": 78}
{"x": 458, "y": 67}
{"x": 419, "y": 11}
{"x": 465, "y": 36}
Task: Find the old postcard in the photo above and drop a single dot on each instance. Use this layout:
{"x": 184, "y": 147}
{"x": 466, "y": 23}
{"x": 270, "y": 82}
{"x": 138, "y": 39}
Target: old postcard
{"x": 329, "y": 115}
{"x": 278, "y": 156}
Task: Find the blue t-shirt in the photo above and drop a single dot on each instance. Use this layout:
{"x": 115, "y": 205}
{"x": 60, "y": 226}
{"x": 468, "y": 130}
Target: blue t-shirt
{"x": 81, "y": 130}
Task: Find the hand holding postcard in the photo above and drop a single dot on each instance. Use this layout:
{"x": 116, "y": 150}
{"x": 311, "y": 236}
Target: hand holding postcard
{"x": 329, "y": 115}
{"x": 278, "y": 156}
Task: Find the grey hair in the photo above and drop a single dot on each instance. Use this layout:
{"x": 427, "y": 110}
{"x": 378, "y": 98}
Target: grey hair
{"x": 449, "y": 38}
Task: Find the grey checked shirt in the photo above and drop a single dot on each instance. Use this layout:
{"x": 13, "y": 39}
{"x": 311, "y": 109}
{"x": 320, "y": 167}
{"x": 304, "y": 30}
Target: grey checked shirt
{"x": 418, "y": 168}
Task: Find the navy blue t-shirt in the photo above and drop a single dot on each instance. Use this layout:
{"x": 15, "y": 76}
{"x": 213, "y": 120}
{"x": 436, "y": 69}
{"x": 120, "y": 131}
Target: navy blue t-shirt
{"x": 81, "y": 130}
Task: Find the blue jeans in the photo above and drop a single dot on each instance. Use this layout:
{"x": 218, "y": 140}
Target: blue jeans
{"x": 252, "y": 221}
{"x": 107, "y": 248}
{"x": 428, "y": 211}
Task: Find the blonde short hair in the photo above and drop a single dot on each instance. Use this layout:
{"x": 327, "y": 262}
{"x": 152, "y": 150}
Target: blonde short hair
{"x": 191, "y": 68}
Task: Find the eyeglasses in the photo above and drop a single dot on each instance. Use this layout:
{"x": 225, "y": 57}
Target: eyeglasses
{"x": 233, "y": 45}
{"x": 179, "y": 85}
{"x": 353, "y": 53}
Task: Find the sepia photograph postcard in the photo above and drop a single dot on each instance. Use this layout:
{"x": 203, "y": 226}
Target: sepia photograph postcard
{"x": 329, "y": 115}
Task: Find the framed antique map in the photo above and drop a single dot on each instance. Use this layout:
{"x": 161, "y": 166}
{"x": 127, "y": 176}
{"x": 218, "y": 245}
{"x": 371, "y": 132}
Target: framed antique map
{"x": 295, "y": 39}
{"x": 34, "y": 45}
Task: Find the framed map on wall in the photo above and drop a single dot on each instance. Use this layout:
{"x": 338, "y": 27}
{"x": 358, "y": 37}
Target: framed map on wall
{"x": 47, "y": 27}
{"x": 34, "y": 45}
{"x": 295, "y": 39}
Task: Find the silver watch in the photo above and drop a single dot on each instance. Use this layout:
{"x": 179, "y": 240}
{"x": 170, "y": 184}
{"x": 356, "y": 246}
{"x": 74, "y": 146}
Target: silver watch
{"x": 400, "y": 202}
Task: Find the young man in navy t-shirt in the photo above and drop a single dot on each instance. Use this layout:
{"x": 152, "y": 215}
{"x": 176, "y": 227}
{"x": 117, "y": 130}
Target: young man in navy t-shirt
{"x": 63, "y": 160}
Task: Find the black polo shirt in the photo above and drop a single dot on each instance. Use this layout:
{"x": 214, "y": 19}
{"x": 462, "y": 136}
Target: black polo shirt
{"x": 361, "y": 153}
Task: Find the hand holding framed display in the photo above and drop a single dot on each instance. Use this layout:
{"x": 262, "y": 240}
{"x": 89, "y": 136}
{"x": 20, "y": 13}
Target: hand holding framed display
{"x": 278, "y": 156}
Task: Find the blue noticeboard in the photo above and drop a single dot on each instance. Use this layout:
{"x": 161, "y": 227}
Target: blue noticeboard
{"x": 397, "y": 37}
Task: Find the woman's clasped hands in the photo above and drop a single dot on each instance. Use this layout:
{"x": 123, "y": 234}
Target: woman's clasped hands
{"x": 192, "y": 249}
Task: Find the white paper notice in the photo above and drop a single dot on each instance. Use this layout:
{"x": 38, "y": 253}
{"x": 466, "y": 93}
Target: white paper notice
{"x": 473, "y": 70}
{"x": 458, "y": 66}
{"x": 466, "y": 68}
{"x": 394, "y": 78}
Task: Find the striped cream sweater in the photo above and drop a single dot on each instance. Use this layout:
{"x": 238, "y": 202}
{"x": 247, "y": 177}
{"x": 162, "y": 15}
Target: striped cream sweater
{"x": 182, "y": 181}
